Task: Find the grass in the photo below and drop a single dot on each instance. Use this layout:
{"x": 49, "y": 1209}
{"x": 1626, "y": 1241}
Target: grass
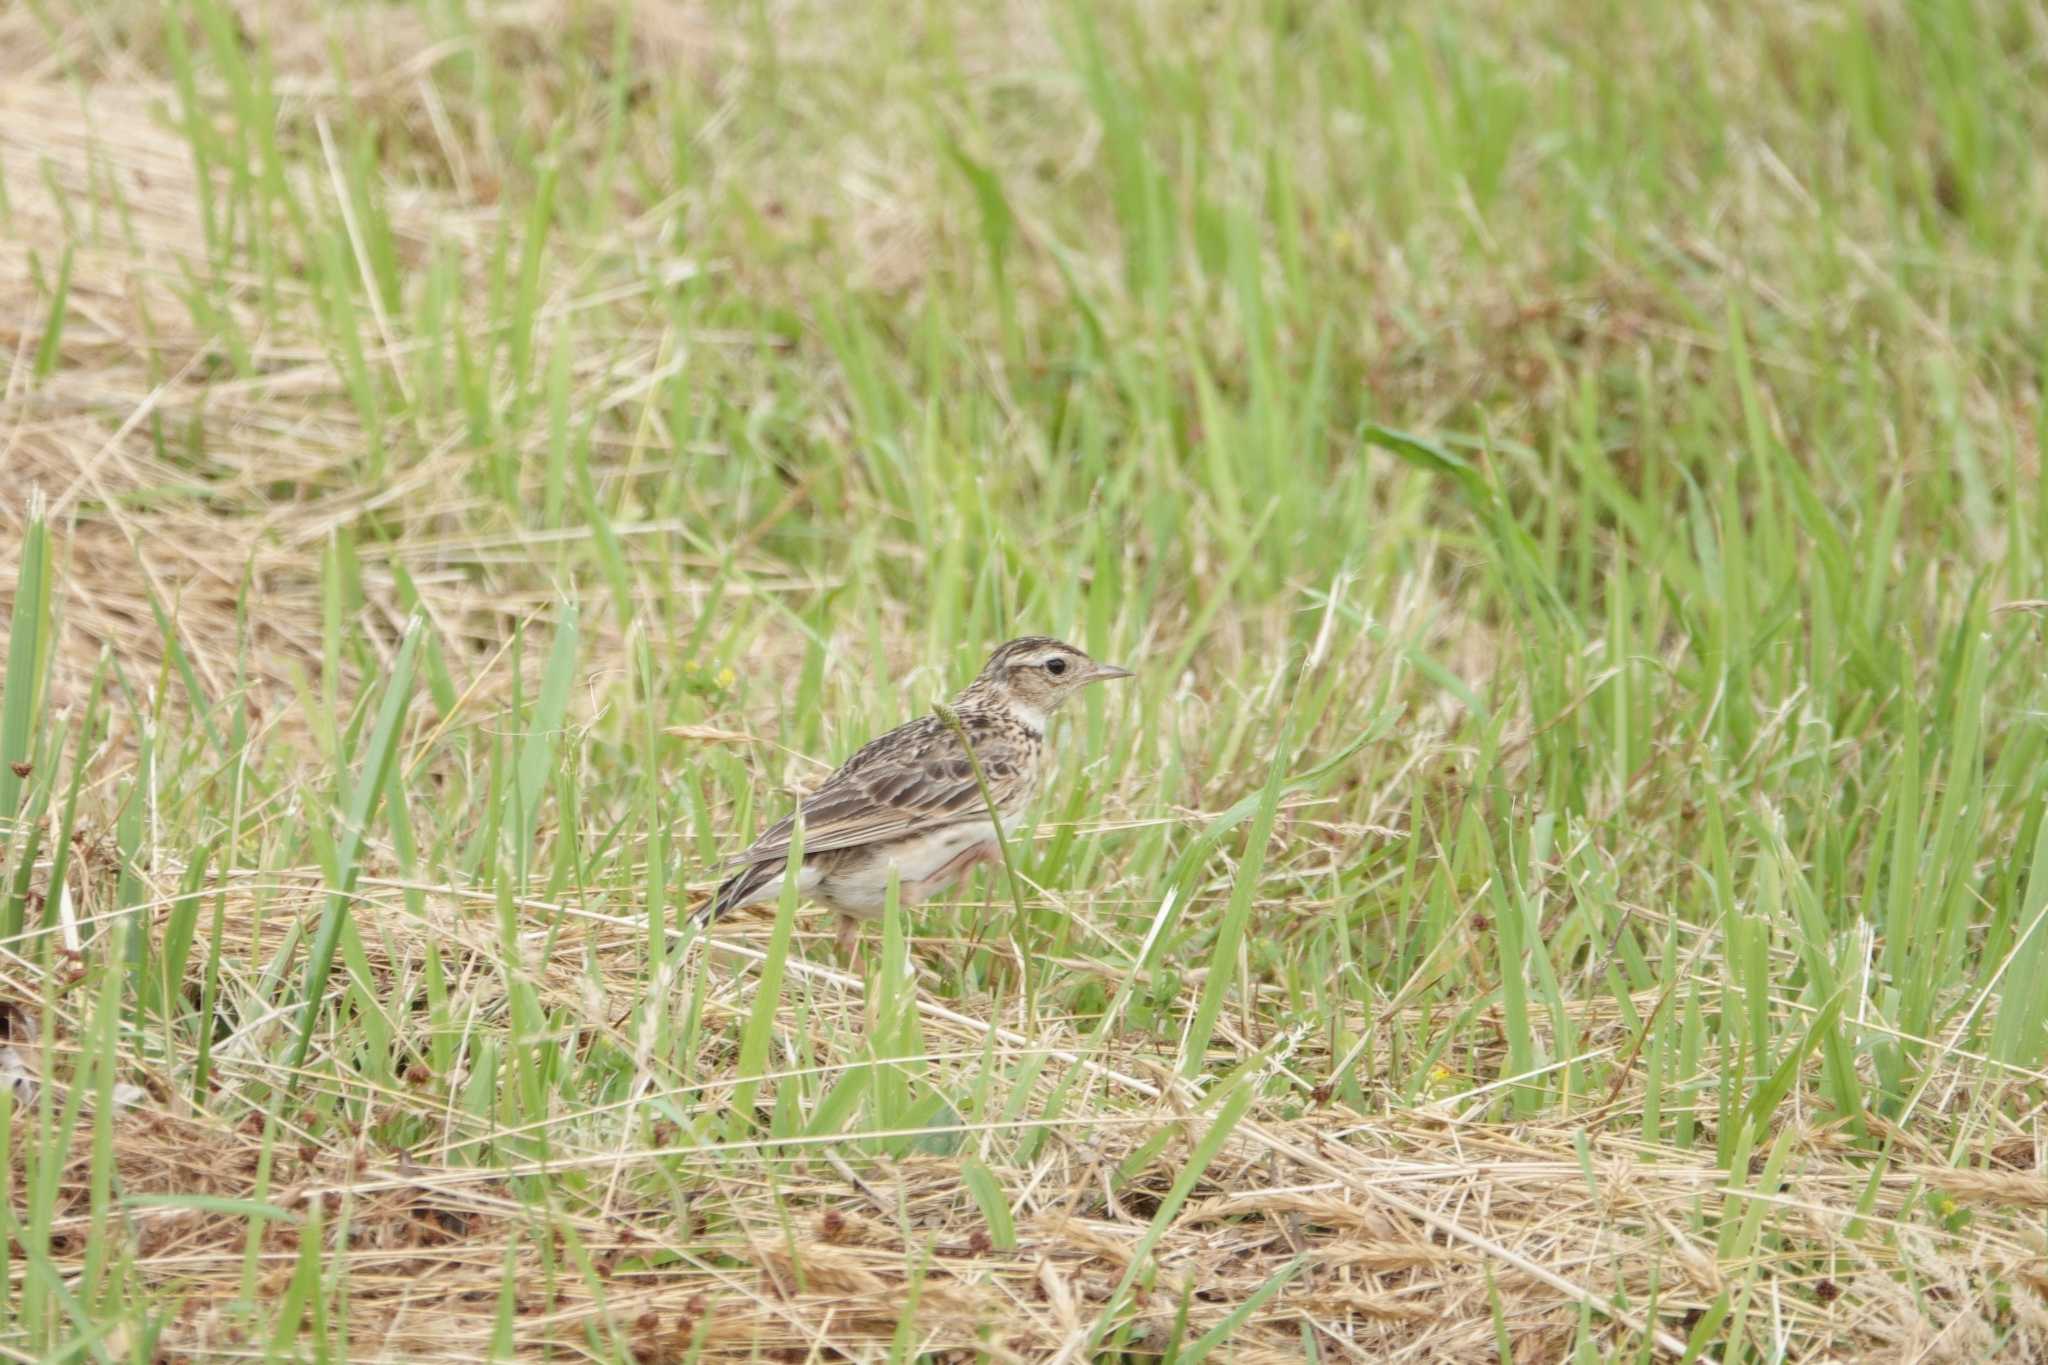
{"x": 1567, "y": 882}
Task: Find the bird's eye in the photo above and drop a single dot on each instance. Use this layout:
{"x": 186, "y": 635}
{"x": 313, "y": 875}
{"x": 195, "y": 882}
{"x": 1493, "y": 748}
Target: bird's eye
{"x": 1055, "y": 666}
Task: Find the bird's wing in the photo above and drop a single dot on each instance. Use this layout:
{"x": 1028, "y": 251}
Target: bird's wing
{"x": 913, "y": 779}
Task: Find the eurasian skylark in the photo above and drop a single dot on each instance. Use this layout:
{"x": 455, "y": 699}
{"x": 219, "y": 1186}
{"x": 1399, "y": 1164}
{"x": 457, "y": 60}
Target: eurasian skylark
{"x": 908, "y": 802}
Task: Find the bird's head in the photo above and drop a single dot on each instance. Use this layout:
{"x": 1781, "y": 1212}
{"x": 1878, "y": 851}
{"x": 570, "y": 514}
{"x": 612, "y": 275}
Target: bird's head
{"x": 1034, "y": 676}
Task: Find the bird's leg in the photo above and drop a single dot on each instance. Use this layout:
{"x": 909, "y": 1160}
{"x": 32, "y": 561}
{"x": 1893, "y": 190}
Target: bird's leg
{"x": 848, "y": 941}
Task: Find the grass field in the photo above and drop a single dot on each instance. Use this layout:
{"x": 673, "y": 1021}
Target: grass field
{"x": 1567, "y": 882}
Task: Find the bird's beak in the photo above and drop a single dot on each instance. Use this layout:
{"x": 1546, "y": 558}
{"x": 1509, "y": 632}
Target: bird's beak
{"x": 1104, "y": 672}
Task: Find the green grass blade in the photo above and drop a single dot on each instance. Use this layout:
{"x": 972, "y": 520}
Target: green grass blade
{"x": 1223, "y": 964}
{"x": 989, "y": 1198}
{"x": 372, "y": 772}
{"x": 1198, "y": 1350}
{"x": 544, "y": 727}
{"x": 759, "y": 1034}
{"x": 1233, "y": 1109}
{"x": 27, "y": 650}
{"x": 51, "y": 347}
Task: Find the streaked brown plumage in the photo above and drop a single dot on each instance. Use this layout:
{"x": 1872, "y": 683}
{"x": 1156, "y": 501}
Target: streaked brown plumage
{"x": 908, "y": 801}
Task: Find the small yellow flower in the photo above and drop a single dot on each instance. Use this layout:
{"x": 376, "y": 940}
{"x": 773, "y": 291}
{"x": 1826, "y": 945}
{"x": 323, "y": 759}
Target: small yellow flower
{"x": 690, "y": 666}
{"x": 726, "y": 677}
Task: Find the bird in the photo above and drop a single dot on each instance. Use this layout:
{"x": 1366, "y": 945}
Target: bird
{"x": 908, "y": 802}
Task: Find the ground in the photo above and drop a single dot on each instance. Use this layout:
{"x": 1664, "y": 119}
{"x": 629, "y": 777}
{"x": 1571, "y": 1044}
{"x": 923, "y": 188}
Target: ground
{"x": 1567, "y": 881}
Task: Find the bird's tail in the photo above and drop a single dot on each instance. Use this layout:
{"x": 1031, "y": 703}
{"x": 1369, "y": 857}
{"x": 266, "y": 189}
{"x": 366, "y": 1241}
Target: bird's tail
{"x": 737, "y": 890}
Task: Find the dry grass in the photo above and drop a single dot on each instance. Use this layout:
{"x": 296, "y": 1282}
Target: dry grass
{"x": 1415, "y": 1232}
{"x": 1635, "y": 979}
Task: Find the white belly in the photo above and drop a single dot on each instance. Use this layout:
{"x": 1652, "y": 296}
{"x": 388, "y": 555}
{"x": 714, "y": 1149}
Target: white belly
{"x": 923, "y": 867}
